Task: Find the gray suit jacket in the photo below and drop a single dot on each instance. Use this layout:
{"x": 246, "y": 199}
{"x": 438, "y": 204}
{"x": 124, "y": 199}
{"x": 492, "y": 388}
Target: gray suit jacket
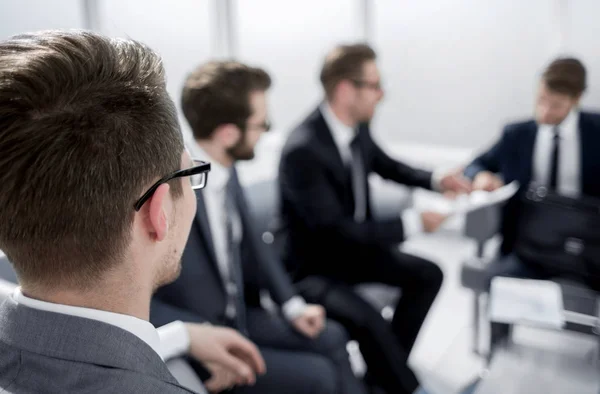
{"x": 45, "y": 352}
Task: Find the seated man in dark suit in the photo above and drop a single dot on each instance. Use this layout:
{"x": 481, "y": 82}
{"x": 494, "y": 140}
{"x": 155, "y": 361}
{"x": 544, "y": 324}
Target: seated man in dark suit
{"x": 334, "y": 242}
{"x": 226, "y": 265}
{"x": 88, "y": 134}
{"x": 559, "y": 148}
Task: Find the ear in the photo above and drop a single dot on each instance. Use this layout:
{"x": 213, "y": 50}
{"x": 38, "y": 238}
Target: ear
{"x": 228, "y": 135}
{"x": 344, "y": 88}
{"x": 158, "y": 212}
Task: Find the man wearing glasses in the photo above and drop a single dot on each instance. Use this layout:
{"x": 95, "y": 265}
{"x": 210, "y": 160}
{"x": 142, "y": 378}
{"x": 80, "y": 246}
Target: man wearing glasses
{"x": 96, "y": 207}
{"x": 334, "y": 242}
{"x": 226, "y": 264}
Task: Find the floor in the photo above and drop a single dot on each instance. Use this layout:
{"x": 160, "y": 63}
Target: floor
{"x": 442, "y": 356}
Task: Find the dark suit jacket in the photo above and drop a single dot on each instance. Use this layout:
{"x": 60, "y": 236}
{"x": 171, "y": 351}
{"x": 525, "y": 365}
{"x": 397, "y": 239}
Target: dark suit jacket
{"x": 45, "y": 352}
{"x": 512, "y": 158}
{"x": 317, "y": 202}
{"x": 198, "y": 294}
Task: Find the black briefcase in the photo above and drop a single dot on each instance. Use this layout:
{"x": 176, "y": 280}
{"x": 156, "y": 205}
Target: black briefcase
{"x": 560, "y": 234}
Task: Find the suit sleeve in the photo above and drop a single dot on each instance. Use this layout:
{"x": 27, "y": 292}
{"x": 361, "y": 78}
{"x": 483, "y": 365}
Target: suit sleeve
{"x": 313, "y": 198}
{"x": 394, "y": 170}
{"x": 161, "y": 313}
{"x": 490, "y": 160}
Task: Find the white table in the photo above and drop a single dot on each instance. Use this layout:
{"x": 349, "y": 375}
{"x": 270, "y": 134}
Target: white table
{"x": 554, "y": 364}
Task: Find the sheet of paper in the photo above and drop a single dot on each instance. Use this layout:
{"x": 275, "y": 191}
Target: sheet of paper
{"x": 477, "y": 199}
{"x": 526, "y": 301}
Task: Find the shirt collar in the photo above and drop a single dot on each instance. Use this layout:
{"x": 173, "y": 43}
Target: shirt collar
{"x": 568, "y": 127}
{"x": 138, "y": 327}
{"x": 219, "y": 174}
{"x": 342, "y": 133}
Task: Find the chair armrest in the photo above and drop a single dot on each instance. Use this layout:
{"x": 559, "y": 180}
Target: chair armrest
{"x": 473, "y": 273}
{"x": 482, "y": 224}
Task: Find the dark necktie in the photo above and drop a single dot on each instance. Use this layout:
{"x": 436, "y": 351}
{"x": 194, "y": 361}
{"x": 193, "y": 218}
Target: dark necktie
{"x": 235, "y": 282}
{"x": 358, "y": 181}
{"x": 554, "y": 160}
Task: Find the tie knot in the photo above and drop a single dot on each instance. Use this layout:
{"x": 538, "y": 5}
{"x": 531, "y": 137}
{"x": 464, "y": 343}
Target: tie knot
{"x": 556, "y": 132}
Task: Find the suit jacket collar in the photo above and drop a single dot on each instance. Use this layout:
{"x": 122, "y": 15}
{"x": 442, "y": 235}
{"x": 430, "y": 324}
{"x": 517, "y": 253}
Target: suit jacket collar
{"x": 527, "y": 148}
{"x": 140, "y": 328}
{"x": 78, "y": 339}
{"x": 590, "y": 140}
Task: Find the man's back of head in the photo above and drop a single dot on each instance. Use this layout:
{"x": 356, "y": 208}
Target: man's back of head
{"x": 86, "y": 125}
{"x": 95, "y": 210}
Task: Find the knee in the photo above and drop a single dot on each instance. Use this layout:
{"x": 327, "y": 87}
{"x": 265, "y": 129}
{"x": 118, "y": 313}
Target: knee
{"x": 335, "y": 333}
{"x": 432, "y": 276}
{"x": 334, "y": 338}
{"x": 322, "y": 377}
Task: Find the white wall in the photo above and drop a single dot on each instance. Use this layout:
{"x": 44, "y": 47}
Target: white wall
{"x": 180, "y": 31}
{"x": 582, "y": 31}
{"x": 457, "y": 70}
{"x": 454, "y": 70}
{"x": 290, "y": 40}
{"x": 20, "y": 16}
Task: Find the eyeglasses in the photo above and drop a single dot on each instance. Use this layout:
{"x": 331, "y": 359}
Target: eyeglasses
{"x": 367, "y": 84}
{"x": 266, "y": 126}
{"x": 198, "y": 176}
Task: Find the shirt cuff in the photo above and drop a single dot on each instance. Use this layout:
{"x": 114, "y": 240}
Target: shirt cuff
{"x": 436, "y": 180}
{"x": 411, "y": 222}
{"x": 174, "y": 340}
{"x": 293, "y": 308}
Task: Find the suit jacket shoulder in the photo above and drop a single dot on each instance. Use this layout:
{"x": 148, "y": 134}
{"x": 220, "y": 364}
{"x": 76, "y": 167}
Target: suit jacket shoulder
{"x": 590, "y": 118}
{"x": 302, "y": 136}
{"x": 516, "y": 129}
{"x": 59, "y": 353}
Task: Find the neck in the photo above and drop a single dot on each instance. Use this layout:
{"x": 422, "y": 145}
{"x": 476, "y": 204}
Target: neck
{"x": 216, "y": 152}
{"x": 342, "y": 113}
{"x": 117, "y": 296}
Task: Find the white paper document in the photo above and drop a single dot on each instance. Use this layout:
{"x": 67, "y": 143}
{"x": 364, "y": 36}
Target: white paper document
{"x": 480, "y": 198}
{"x": 526, "y": 301}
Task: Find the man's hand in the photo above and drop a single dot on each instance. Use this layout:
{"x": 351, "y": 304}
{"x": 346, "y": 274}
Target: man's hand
{"x": 311, "y": 322}
{"x": 231, "y": 358}
{"x": 487, "y": 181}
{"x": 432, "y": 221}
{"x": 221, "y": 379}
{"x": 455, "y": 183}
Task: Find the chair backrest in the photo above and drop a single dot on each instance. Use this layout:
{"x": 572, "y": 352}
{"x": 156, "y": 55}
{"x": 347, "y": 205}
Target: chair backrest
{"x": 388, "y": 198}
{"x": 263, "y": 198}
{"x": 7, "y": 271}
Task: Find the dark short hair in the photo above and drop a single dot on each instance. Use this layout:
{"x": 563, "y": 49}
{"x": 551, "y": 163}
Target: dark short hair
{"x": 566, "y": 76}
{"x": 344, "y": 62}
{"x": 86, "y": 125}
{"x": 218, "y": 93}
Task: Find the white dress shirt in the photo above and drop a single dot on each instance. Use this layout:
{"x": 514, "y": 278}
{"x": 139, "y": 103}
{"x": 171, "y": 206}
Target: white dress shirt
{"x": 214, "y": 198}
{"x": 569, "y": 164}
{"x": 142, "y": 329}
{"x": 342, "y": 136}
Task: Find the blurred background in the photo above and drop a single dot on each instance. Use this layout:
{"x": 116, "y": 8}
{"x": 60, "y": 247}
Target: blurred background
{"x": 454, "y": 72}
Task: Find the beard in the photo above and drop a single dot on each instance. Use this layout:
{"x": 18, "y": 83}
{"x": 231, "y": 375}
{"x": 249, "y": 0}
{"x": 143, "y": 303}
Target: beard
{"x": 242, "y": 150}
{"x": 169, "y": 271}
{"x": 170, "y": 268}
